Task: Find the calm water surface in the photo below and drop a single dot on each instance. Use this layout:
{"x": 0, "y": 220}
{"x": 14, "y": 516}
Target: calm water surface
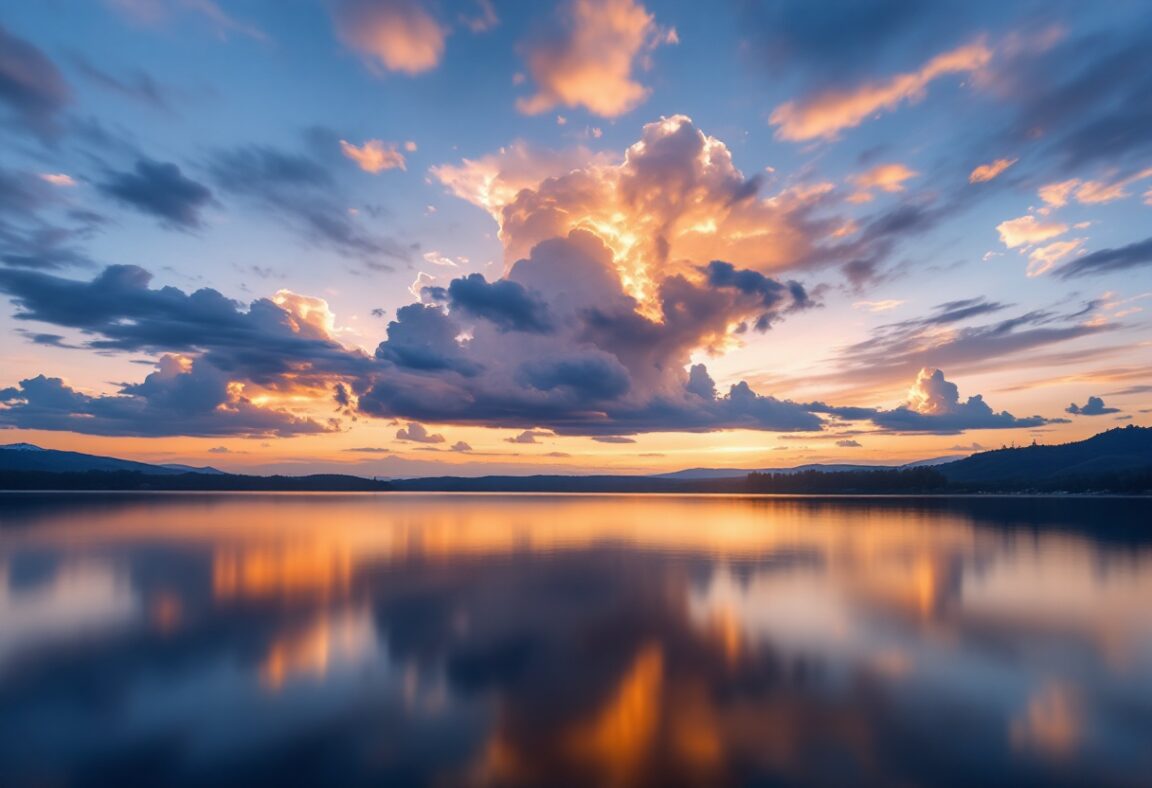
{"x": 553, "y": 640}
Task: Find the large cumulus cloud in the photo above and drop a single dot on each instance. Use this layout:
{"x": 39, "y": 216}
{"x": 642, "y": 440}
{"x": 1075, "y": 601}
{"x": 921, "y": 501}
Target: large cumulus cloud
{"x": 676, "y": 199}
{"x": 560, "y": 343}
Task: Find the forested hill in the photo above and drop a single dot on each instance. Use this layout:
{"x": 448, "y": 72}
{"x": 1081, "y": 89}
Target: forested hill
{"x": 1119, "y": 453}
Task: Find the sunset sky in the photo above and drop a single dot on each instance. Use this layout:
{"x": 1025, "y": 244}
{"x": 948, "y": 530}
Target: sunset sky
{"x": 413, "y": 237}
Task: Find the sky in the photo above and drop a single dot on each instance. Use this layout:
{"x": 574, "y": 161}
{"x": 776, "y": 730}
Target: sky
{"x": 416, "y": 237}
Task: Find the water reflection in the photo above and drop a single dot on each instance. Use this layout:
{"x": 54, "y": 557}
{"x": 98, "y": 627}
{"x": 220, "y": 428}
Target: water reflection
{"x": 552, "y": 640}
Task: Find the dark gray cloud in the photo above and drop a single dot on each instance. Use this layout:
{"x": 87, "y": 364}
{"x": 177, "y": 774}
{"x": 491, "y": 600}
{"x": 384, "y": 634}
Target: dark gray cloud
{"x": 834, "y": 39}
{"x": 136, "y": 85}
{"x": 34, "y": 233}
{"x": 898, "y": 350}
{"x": 1088, "y": 96}
{"x": 423, "y": 338}
{"x": 299, "y": 191}
{"x": 161, "y": 190}
{"x": 32, "y": 89}
{"x": 1093, "y": 407}
{"x": 1109, "y": 260}
{"x": 772, "y": 294}
{"x": 848, "y": 443}
{"x": 177, "y": 399}
{"x": 119, "y": 310}
{"x": 508, "y": 305}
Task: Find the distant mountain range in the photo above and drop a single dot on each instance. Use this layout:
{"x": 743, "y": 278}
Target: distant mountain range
{"x": 24, "y": 466}
{"x": 1119, "y": 460}
{"x": 28, "y": 457}
{"x": 732, "y": 473}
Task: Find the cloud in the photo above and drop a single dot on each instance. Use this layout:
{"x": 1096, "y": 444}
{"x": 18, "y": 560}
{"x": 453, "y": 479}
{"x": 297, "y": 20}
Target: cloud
{"x": 507, "y": 305}
{"x": 152, "y": 13}
{"x": 837, "y": 38}
{"x": 849, "y": 444}
{"x": 181, "y": 397}
{"x": 483, "y": 19}
{"x": 300, "y": 192}
{"x": 1093, "y": 407}
{"x": 1028, "y": 230}
{"x": 945, "y": 337}
{"x": 417, "y": 433}
{"x": 1043, "y": 258}
{"x": 990, "y": 171}
{"x": 1058, "y": 194}
{"x": 219, "y": 450}
{"x": 1083, "y": 98}
{"x": 161, "y": 190}
{"x": 934, "y": 405}
{"x": 1109, "y": 260}
{"x": 589, "y": 57}
{"x": 528, "y": 436}
{"x": 879, "y": 306}
{"x": 272, "y": 340}
{"x": 32, "y": 89}
{"x": 58, "y": 179}
{"x": 604, "y": 368}
{"x": 461, "y": 446}
{"x": 493, "y": 181}
{"x": 374, "y": 156}
{"x": 28, "y": 238}
{"x": 825, "y": 114}
{"x": 973, "y": 447}
{"x": 886, "y": 177}
{"x": 137, "y": 85}
{"x": 613, "y": 439}
{"x": 675, "y": 198}
{"x": 400, "y": 35}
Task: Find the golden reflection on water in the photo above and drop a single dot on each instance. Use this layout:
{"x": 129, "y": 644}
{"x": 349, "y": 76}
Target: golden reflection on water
{"x": 676, "y": 637}
{"x": 345, "y": 637}
{"x": 296, "y": 568}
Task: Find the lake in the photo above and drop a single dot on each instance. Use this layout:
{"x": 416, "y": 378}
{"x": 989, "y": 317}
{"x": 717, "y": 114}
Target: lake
{"x": 402, "y": 639}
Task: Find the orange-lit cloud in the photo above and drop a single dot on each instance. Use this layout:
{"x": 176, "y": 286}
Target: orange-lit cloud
{"x": 400, "y": 35}
{"x": 307, "y": 314}
{"x": 1041, "y": 259}
{"x": 885, "y": 177}
{"x": 1027, "y": 230}
{"x": 676, "y": 196}
{"x": 1057, "y": 194}
{"x": 374, "y": 155}
{"x": 826, "y": 114}
{"x": 878, "y": 306}
{"x": 591, "y": 59}
{"x": 987, "y": 172}
{"x": 58, "y": 179}
{"x": 1095, "y": 192}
